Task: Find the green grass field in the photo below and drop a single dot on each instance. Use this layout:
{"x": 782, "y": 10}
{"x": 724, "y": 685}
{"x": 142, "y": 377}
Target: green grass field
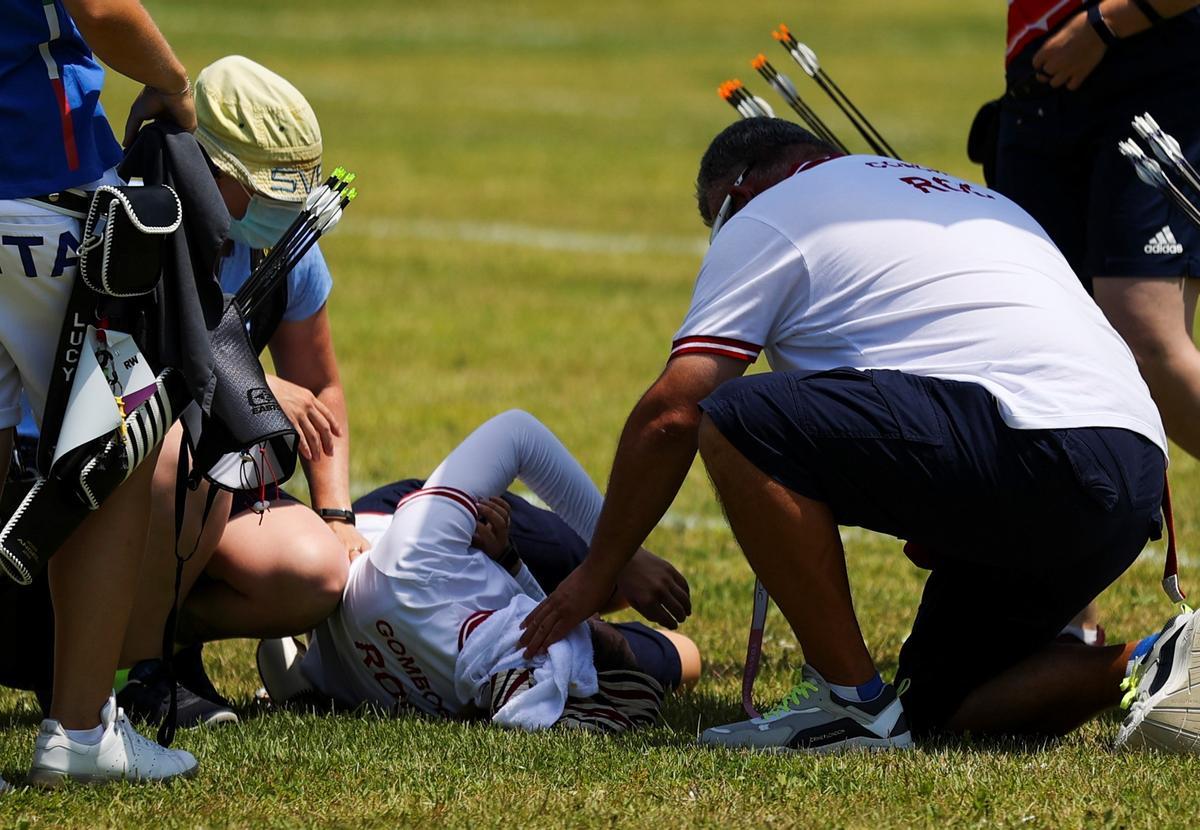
{"x": 527, "y": 237}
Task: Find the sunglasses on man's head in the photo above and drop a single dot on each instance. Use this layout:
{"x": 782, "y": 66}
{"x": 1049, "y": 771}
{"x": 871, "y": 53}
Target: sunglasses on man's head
{"x": 724, "y": 212}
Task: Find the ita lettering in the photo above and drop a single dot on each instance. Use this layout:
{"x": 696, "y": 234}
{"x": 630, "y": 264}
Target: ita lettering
{"x": 39, "y": 257}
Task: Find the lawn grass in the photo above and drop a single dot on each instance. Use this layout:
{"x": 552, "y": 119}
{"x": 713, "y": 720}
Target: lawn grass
{"x": 527, "y": 237}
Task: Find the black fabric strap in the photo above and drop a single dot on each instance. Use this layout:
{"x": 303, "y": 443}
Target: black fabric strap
{"x": 1151, "y": 13}
{"x": 166, "y": 730}
{"x": 1101, "y": 25}
{"x": 75, "y": 201}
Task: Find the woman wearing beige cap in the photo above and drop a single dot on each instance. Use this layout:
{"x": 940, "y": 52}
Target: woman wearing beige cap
{"x": 282, "y": 571}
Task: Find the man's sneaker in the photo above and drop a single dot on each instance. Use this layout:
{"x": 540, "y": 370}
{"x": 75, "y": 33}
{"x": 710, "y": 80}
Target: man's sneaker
{"x": 813, "y": 718}
{"x": 1163, "y": 692}
{"x": 121, "y": 755}
{"x": 147, "y": 699}
{"x": 4, "y": 785}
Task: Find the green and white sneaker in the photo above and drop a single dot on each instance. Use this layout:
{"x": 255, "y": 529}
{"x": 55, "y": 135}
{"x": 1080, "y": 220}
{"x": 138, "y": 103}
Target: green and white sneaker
{"x": 813, "y": 718}
{"x": 1163, "y": 692}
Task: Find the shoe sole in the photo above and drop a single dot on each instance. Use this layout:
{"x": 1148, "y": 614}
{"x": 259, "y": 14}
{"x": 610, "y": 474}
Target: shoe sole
{"x": 218, "y": 719}
{"x": 1170, "y": 720}
{"x": 859, "y": 744}
{"x": 53, "y": 779}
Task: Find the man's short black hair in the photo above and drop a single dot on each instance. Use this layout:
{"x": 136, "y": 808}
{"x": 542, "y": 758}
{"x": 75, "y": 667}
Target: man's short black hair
{"x": 760, "y": 142}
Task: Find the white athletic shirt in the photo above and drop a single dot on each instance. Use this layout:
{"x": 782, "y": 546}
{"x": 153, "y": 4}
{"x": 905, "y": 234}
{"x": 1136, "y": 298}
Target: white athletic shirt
{"x": 412, "y": 600}
{"x": 873, "y": 263}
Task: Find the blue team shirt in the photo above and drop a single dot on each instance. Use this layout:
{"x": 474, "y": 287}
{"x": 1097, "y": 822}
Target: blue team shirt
{"x": 309, "y": 283}
{"x": 53, "y": 131}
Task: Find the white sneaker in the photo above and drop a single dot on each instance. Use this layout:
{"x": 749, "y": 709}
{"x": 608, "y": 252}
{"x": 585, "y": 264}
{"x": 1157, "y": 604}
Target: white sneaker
{"x": 812, "y": 718}
{"x": 4, "y": 785}
{"x": 121, "y": 754}
{"x": 1164, "y": 692}
{"x": 279, "y": 669}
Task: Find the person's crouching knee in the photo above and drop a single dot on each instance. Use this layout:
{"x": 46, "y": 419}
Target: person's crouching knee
{"x": 318, "y": 570}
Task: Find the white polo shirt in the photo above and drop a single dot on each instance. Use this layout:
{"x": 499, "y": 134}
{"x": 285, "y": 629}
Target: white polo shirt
{"x": 874, "y": 263}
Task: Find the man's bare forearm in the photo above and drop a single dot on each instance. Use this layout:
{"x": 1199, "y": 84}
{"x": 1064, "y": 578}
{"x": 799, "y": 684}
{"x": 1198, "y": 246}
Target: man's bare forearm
{"x": 123, "y": 35}
{"x": 653, "y": 457}
{"x": 329, "y": 475}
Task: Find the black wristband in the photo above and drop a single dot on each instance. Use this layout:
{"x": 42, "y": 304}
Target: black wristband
{"x": 1151, "y": 13}
{"x": 1101, "y": 25}
{"x": 510, "y": 558}
{"x": 328, "y": 513}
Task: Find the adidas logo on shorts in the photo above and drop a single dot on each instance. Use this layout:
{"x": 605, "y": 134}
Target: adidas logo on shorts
{"x": 1163, "y": 242}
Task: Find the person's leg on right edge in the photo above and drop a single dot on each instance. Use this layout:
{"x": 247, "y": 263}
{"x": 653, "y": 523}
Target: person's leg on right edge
{"x": 1154, "y": 315}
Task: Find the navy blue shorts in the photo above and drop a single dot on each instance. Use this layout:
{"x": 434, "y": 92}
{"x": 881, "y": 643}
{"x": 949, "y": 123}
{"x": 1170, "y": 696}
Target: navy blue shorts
{"x": 1023, "y": 526}
{"x": 551, "y": 550}
{"x": 243, "y": 500}
{"x": 1057, "y": 158}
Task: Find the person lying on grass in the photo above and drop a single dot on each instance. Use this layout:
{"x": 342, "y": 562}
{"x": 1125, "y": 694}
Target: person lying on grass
{"x": 429, "y": 620}
{"x": 442, "y": 566}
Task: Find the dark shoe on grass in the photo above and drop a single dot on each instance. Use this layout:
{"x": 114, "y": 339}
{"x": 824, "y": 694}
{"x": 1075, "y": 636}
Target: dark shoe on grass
{"x": 146, "y": 698}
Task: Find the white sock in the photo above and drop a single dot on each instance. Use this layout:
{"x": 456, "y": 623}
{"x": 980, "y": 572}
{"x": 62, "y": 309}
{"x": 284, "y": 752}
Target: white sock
{"x": 88, "y": 737}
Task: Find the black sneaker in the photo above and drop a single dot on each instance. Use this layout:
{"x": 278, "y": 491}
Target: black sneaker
{"x": 146, "y": 698}
{"x": 190, "y": 672}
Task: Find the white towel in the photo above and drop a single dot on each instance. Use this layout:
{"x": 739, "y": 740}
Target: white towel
{"x": 567, "y": 668}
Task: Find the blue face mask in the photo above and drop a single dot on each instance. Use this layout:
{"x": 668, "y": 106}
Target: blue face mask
{"x": 265, "y": 221}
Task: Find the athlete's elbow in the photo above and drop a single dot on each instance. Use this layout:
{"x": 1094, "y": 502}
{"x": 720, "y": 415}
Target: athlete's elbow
{"x": 672, "y": 420}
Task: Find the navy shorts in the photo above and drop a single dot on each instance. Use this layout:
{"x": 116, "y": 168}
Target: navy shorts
{"x": 1025, "y": 526}
{"x": 1057, "y": 158}
{"x": 551, "y": 550}
{"x": 243, "y": 500}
